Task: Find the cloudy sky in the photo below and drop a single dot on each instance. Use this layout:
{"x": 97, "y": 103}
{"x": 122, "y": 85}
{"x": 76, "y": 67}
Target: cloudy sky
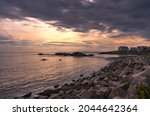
{"x": 88, "y": 25}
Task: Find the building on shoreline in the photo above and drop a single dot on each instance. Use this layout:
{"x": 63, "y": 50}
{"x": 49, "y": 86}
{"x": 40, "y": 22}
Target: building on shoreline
{"x": 138, "y": 49}
{"x": 123, "y": 49}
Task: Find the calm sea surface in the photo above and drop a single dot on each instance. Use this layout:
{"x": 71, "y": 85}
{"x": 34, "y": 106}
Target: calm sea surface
{"x": 21, "y": 73}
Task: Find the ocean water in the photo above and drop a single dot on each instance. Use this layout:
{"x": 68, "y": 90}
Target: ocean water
{"x": 21, "y": 73}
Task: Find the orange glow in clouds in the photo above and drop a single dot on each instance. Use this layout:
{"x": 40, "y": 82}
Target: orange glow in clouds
{"x": 39, "y": 32}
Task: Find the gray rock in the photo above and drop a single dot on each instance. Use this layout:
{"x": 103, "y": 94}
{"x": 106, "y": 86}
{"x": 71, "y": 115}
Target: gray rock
{"x": 102, "y": 93}
{"x": 85, "y": 82}
{"x": 47, "y": 92}
{"x": 35, "y": 96}
{"x": 113, "y": 83}
{"x": 61, "y": 93}
{"x": 106, "y": 79}
{"x": 100, "y": 77}
{"x": 118, "y": 92}
{"x": 97, "y": 86}
{"x": 27, "y": 95}
{"x": 54, "y": 96}
{"x": 125, "y": 86}
{"x": 88, "y": 94}
{"x": 126, "y": 71}
{"x": 56, "y": 86}
{"x": 78, "y": 86}
{"x": 138, "y": 66}
{"x": 95, "y": 81}
{"x": 103, "y": 83}
{"x": 43, "y": 59}
{"x": 65, "y": 87}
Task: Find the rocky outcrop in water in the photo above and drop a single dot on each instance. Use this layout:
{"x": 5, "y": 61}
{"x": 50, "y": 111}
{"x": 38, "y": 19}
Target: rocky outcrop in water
{"x": 75, "y": 54}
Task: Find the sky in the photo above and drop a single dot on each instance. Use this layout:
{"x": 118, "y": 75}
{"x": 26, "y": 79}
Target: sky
{"x": 73, "y": 25}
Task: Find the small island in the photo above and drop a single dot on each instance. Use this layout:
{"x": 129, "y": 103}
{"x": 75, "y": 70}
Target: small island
{"x": 75, "y": 54}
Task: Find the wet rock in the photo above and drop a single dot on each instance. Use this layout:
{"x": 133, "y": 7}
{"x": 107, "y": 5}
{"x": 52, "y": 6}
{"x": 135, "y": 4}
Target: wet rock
{"x": 73, "y": 81}
{"x": 95, "y": 81}
{"x": 138, "y": 66}
{"x": 40, "y": 54}
{"x": 56, "y": 86}
{"x": 61, "y": 93}
{"x": 97, "y": 86}
{"x": 47, "y": 92}
{"x": 88, "y": 94}
{"x": 105, "y": 90}
{"x": 78, "y": 86}
{"x": 65, "y": 87}
{"x": 27, "y": 95}
{"x": 103, "y": 83}
{"x": 43, "y": 59}
{"x": 35, "y": 96}
{"x": 102, "y": 93}
{"x": 54, "y": 96}
{"x": 94, "y": 74}
{"x": 106, "y": 79}
{"x": 81, "y": 75}
{"x": 126, "y": 71}
{"x": 118, "y": 92}
{"x": 85, "y": 82}
{"x": 125, "y": 86}
{"x": 71, "y": 84}
{"x": 113, "y": 83}
{"x": 69, "y": 92}
{"x": 101, "y": 77}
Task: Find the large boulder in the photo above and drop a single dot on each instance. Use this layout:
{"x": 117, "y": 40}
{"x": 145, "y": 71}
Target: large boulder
{"x": 142, "y": 78}
{"x": 102, "y": 93}
{"x": 27, "y": 95}
{"x": 88, "y": 94}
{"x": 46, "y": 92}
{"x": 118, "y": 92}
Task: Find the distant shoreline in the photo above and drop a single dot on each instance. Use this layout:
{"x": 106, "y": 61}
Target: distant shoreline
{"x": 125, "y": 50}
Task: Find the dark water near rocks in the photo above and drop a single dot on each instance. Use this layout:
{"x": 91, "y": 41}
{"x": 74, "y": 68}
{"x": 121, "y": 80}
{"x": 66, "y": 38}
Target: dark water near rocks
{"x": 21, "y": 73}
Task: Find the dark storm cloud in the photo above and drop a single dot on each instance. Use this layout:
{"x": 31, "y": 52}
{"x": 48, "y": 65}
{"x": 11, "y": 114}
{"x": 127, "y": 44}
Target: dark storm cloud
{"x": 128, "y": 16}
{"x": 11, "y": 41}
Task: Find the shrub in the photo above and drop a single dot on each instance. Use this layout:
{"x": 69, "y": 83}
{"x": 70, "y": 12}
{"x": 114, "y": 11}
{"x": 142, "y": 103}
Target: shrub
{"x": 143, "y": 92}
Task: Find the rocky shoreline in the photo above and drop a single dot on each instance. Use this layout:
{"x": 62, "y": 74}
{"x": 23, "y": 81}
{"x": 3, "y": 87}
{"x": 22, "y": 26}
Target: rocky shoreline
{"x": 125, "y": 78}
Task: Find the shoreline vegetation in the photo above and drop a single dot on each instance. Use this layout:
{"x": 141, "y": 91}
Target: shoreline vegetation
{"x": 124, "y": 78}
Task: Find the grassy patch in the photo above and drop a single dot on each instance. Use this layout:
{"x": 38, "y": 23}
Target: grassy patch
{"x": 143, "y": 92}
